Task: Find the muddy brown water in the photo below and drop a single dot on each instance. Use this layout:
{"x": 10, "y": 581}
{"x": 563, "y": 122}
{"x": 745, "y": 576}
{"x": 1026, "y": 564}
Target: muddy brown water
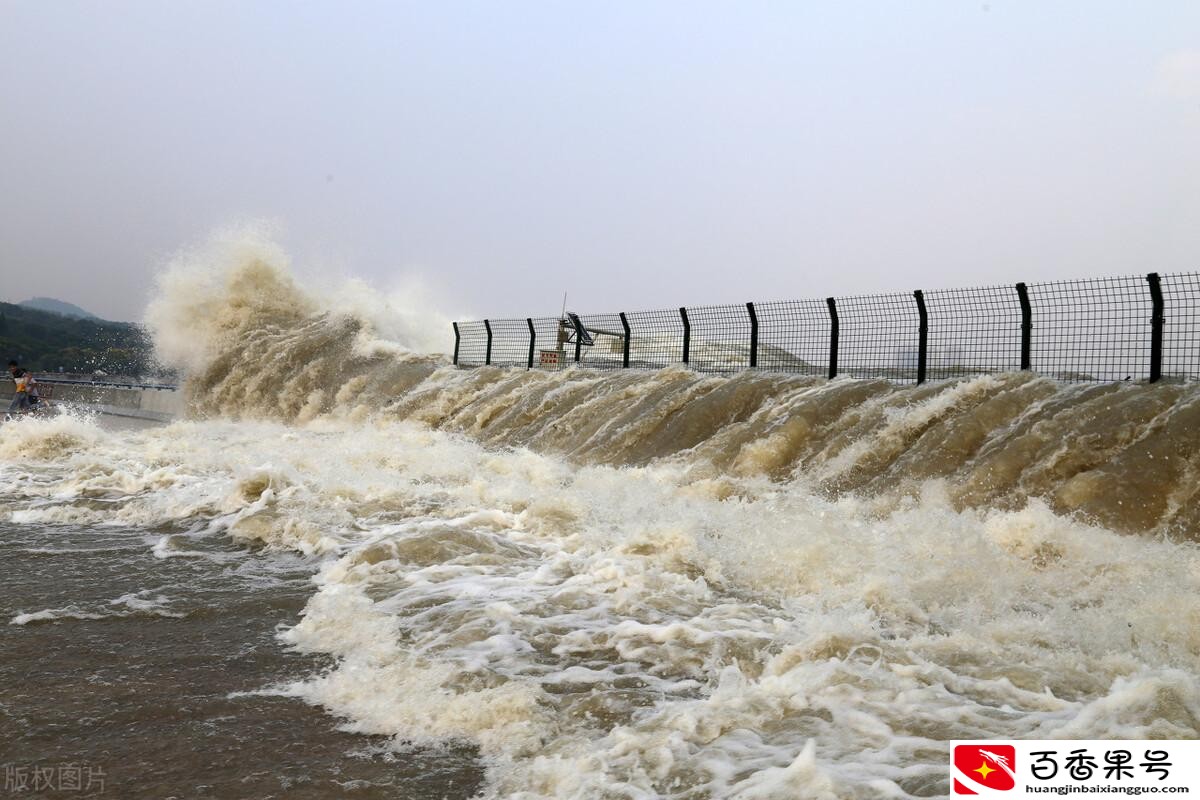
{"x": 147, "y": 676}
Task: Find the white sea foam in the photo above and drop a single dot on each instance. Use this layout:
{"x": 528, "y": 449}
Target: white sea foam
{"x": 669, "y": 584}
{"x": 142, "y": 603}
{"x": 599, "y": 627}
{"x": 52, "y": 614}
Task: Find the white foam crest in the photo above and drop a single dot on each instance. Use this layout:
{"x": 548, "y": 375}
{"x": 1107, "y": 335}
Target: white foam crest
{"x": 599, "y": 627}
{"x": 49, "y": 438}
{"x": 903, "y": 421}
{"x": 620, "y": 577}
{"x": 240, "y": 283}
{"x": 140, "y": 603}
{"x": 206, "y": 289}
{"x": 52, "y": 614}
{"x": 404, "y": 319}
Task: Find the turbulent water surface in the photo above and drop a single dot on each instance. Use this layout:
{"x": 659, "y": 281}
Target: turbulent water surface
{"x": 590, "y": 585}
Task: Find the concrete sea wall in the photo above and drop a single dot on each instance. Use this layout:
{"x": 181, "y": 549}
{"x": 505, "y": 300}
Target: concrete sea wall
{"x": 161, "y": 404}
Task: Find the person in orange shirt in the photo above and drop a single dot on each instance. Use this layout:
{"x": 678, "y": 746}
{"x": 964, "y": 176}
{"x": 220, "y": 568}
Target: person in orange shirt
{"x": 24, "y": 398}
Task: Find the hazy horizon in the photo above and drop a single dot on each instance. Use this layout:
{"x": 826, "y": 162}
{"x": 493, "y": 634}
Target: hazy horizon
{"x": 633, "y": 155}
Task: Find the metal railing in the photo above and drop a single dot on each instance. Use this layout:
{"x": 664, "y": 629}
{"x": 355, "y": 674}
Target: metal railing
{"x": 166, "y": 387}
{"x": 1101, "y": 329}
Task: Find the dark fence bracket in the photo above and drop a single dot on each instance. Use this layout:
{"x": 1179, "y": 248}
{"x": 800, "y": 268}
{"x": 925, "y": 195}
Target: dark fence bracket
{"x": 487, "y": 324}
{"x": 687, "y": 334}
{"x": 833, "y": 337}
{"x": 923, "y": 334}
{"x": 532, "y": 341}
{"x": 625, "y": 350}
{"x": 1157, "y": 320}
{"x": 457, "y": 339}
{"x": 1026, "y": 327}
{"x": 753, "y": 335}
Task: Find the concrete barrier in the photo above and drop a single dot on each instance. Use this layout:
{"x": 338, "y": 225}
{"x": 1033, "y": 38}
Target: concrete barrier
{"x": 156, "y": 403}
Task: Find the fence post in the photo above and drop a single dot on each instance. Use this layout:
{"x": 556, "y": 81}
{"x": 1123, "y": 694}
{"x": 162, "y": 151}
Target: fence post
{"x": 753, "y": 335}
{"x": 488, "y": 327}
{"x": 625, "y": 354}
{"x": 923, "y": 333}
{"x": 833, "y": 337}
{"x": 578, "y": 347}
{"x": 687, "y": 333}
{"x": 532, "y": 340}
{"x": 456, "y": 340}
{"x": 1157, "y": 319}
{"x": 1026, "y": 327}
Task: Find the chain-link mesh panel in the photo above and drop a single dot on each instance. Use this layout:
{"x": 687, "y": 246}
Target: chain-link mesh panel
{"x": 1181, "y": 331}
{"x": 1091, "y": 330}
{"x": 793, "y": 336}
{"x": 720, "y": 340}
{"x": 973, "y": 331}
{"x": 510, "y": 342}
{"x": 879, "y": 336}
{"x": 472, "y": 345}
{"x": 1087, "y": 330}
{"x": 656, "y": 339}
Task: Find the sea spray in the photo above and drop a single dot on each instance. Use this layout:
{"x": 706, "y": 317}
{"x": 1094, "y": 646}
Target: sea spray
{"x": 596, "y": 626}
{"x": 231, "y": 317}
{"x": 254, "y": 344}
{"x": 667, "y": 584}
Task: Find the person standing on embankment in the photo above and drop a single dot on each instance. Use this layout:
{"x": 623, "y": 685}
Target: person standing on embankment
{"x": 26, "y": 393}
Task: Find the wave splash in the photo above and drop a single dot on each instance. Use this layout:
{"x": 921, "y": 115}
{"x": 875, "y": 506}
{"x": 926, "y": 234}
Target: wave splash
{"x": 254, "y": 344}
{"x": 631, "y": 631}
{"x": 674, "y": 585}
{"x": 231, "y": 317}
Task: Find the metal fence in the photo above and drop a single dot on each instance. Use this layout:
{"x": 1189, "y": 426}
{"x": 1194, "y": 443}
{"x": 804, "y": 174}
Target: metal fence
{"x": 1101, "y": 329}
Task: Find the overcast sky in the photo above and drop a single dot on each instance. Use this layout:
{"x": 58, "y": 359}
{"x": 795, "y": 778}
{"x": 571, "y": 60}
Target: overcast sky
{"x": 635, "y": 154}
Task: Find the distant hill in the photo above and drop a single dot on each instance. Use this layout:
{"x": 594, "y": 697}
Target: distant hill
{"x": 58, "y": 307}
{"x": 48, "y": 341}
